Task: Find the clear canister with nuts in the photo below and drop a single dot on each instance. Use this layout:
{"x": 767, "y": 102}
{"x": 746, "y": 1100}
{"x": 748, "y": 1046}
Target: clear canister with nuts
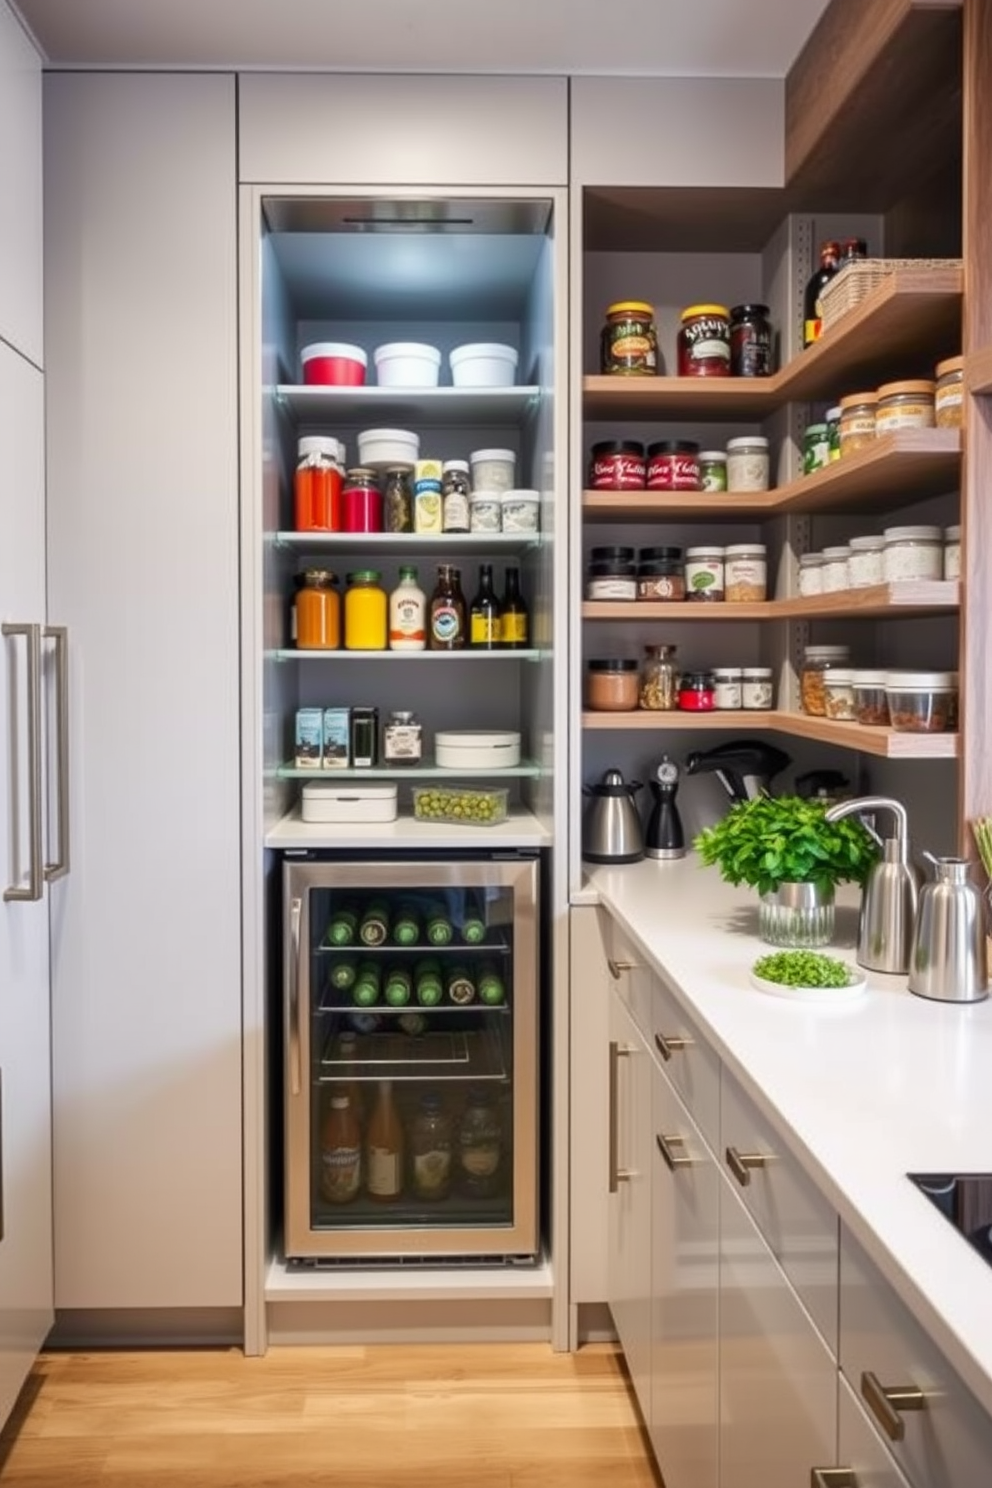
{"x": 817, "y": 662}
{"x": 745, "y": 573}
{"x": 659, "y": 681}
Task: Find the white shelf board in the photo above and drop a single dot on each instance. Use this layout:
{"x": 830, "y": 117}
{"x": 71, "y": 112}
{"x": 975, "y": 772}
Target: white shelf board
{"x": 526, "y": 770}
{"x": 295, "y": 653}
{"x": 405, "y": 544}
{"x": 423, "y": 406}
{"x": 521, "y": 829}
{"x": 438, "y": 1283}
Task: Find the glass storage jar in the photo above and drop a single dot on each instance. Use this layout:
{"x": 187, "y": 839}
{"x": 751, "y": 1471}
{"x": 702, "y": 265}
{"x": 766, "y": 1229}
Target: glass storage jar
{"x": 612, "y": 685}
{"x": 905, "y": 405}
{"x": 922, "y": 702}
{"x": 318, "y": 611}
{"x": 629, "y": 341}
{"x": 704, "y": 574}
{"x": 756, "y": 687}
{"x": 712, "y": 470}
{"x": 871, "y": 705}
{"x": 455, "y": 493}
{"x": 949, "y": 393}
{"x": 913, "y": 553}
{"x": 835, "y": 569}
{"x": 727, "y": 687}
{"x": 612, "y": 578}
{"x": 817, "y": 661}
{"x": 748, "y": 464}
{"x": 750, "y": 341}
{"x": 673, "y": 465}
{"x": 317, "y": 484}
{"x": 857, "y": 421}
{"x": 366, "y": 606}
{"x": 810, "y": 574}
{"x": 838, "y": 692}
{"x": 952, "y": 552}
{"x": 703, "y": 347}
{"x": 745, "y": 569}
{"x": 865, "y": 566}
{"x": 361, "y": 501}
{"x": 659, "y": 684}
{"x": 397, "y": 500}
{"x": 617, "y": 465}
{"x": 660, "y": 574}
{"x": 697, "y": 692}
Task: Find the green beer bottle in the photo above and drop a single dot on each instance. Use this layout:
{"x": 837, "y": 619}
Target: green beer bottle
{"x": 473, "y": 926}
{"x": 341, "y": 926}
{"x": 399, "y": 987}
{"x": 365, "y": 992}
{"x": 440, "y": 930}
{"x": 406, "y": 926}
{"x": 343, "y": 973}
{"x": 492, "y": 990}
{"x": 374, "y": 927}
{"x": 459, "y": 986}
{"x": 430, "y": 988}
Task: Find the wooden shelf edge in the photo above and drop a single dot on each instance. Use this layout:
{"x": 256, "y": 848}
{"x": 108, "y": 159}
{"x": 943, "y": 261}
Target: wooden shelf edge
{"x": 884, "y": 743}
{"x": 911, "y": 597}
{"x": 978, "y": 370}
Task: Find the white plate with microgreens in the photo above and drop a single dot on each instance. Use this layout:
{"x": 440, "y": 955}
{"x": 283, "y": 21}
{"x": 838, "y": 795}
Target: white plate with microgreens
{"x": 808, "y": 976}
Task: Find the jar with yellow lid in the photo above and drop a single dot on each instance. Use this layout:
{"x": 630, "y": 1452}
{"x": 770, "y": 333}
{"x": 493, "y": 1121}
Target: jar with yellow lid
{"x": 857, "y": 421}
{"x": 905, "y": 405}
{"x": 949, "y": 393}
{"x": 365, "y": 612}
{"x": 704, "y": 341}
{"x": 629, "y": 341}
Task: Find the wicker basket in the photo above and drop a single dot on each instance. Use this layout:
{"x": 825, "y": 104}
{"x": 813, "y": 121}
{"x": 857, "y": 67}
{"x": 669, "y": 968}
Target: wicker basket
{"x": 850, "y": 284}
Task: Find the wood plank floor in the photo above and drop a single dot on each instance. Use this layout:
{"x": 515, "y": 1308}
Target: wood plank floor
{"x": 431, "y": 1416}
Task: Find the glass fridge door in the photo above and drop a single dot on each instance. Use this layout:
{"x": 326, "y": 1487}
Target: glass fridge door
{"x": 414, "y": 1130}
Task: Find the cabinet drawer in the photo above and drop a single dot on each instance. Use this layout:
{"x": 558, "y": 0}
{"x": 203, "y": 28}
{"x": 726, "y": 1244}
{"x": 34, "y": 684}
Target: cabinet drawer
{"x": 859, "y": 1449}
{"x": 947, "y": 1443}
{"x": 798, "y": 1224}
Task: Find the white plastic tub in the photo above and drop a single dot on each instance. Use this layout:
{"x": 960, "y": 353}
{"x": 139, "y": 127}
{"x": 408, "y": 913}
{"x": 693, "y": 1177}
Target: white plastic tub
{"x": 483, "y": 364}
{"x": 493, "y": 469}
{"x": 408, "y": 364}
{"x": 326, "y": 802}
{"x": 520, "y": 511}
{"x": 476, "y": 749}
{"x": 381, "y": 447}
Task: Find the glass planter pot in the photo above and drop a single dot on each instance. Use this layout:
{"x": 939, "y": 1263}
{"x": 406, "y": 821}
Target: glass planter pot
{"x": 797, "y": 914}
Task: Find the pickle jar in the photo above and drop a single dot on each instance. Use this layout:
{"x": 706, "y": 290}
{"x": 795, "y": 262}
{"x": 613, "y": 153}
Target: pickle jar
{"x": 629, "y": 341}
{"x": 397, "y": 498}
{"x": 318, "y": 611}
{"x": 659, "y": 684}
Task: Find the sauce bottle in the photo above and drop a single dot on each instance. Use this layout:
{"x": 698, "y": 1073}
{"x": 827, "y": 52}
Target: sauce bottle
{"x": 340, "y": 1151}
{"x": 812, "y": 323}
{"x": 515, "y": 622}
{"x": 484, "y": 616}
{"x": 384, "y": 1148}
{"x": 447, "y": 617}
{"x": 407, "y": 613}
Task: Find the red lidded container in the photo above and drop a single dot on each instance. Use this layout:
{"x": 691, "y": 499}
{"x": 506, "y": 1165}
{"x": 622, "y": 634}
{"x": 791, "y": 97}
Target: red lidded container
{"x": 361, "y": 501}
{"x": 697, "y": 692}
{"x": 617, "y": 465}
{"x": 673, "y": 465}
{"x": 704, "y": 341}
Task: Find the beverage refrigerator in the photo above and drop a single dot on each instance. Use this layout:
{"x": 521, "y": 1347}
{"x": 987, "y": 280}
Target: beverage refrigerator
{"x": 411, "y": 1026}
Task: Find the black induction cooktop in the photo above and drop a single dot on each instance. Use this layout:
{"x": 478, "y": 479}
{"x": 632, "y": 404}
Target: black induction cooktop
{"x": 966, "y": 1200}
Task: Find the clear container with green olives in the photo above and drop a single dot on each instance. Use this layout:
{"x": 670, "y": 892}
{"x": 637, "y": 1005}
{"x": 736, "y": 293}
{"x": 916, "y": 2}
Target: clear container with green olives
{"x": 467, "y": 806}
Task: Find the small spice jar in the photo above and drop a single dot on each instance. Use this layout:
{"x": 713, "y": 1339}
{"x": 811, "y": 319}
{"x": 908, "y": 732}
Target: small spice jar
{"x": 697, "y": 692}
{"x": 748, "y": 465}
{"x": 905, "y": 405}
{"x": 750, "y": 341}
{"x": 704, "y": 573}
{"x": 745, "y": 573}
{"x": 913, "y": 553}
{"x": 871, "y": 704}
{"x": 673, "y": 465}
{"x": 833, "y": 432}
{"x": 816, "y": 448}
{"x": 835, "y": 575}
{"x": 865, "y": 565}
{"x": 660, "y": 574}
{"x": 629, "y": 341}
{"x": 617, "y": 465}
{"x": 318, "y": 611}
{"x": 485, "y": 512}
{"x": 952, "y": 552}
{"x": 949, "y": 393}
{"x": 810, "y": 574}
{"x": 703, "y": 346}
{"x": 455, "y": 493}
{"x": 838, "y": 693}
{"x": 727, "y": 687}
{"x": 611, "y": 574}
{"x": 612, "y": 685}
{"x": 712, "y": 470}
{"x": 402, "y": 739}
{"x": 756, "y": 687}
{"x": 857, "y": 421}
{"x": 817, "y": 661}
{"x": 361, "y": 501}
{"x": 659, "y": 680}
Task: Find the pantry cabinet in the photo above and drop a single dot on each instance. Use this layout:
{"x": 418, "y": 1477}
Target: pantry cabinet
{"x": 20, "y": 190}
{"x": 629, "y": 1182}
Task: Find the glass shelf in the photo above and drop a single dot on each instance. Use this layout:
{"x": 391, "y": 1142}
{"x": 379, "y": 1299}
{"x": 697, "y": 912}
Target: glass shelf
{"x": 442, "y": 406}
{"x": 526, "y": 770}
{"x": 452, "y": 1054}
{"x": 295, "y": 653}
{"x": 409, "y": 544}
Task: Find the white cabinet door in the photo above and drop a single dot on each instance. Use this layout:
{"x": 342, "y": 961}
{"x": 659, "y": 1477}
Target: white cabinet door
{"x": 778, "y": 1381}
{"x": 20, "y": 189}
{"x": 860, "y": 1448}
{"x": 587, "y": 1132}
{"x": 685, "y": 1279}
{"x": 629, "y": 1202}
{"x": 25, "y": 1088}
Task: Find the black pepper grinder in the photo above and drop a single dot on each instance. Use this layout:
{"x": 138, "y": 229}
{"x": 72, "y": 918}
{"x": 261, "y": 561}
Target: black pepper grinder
{"x": 664, "y": 838}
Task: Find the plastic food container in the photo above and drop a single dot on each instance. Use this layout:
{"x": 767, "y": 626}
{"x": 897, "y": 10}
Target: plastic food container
{"x": 381, "y": 447}
{"x": 476, "y": 749}
{"x": 462, "y": 806}
{"x": 866, "y": 565}
{"x": 412, "y": 364}
{"x": 817, "y": 662}
{"x": 756, "y": 687}
{"x": 617, "y": 465}
{"x": 484, "y": 513}
{"x": 871, "y": 703}
{"x": 810, "y": 574}
{"x": 326, "y": 802}
{"x": 520, "y": 511}
{"x": 745, "y": 573}
{"x": 835, "y": 572}
{"x": 483, "y": 364}
{"x": 493, "y": 469}
{"x": 838, "y": 687}
{"x": 333, "y": 364}
{"x": 913, "y": 553}
{"x": 612, "y": 685}
{"x": 704, "y": 574}
{"x": 921, "y": 702}
{"x": 748, "y": 463}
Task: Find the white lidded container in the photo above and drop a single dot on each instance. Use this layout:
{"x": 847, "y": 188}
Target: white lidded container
{"x": 381, "y": 447}
{"x": 493, "y": 469}
{"x": 476, "y": 749}
{"x": 835, "y": 573}
{"x": 520, "y": 511}
{"x": 407, "y": 364}
{"x": 913, "y": 553}
{"x": 483, "y": 364}
{"x": 327, "y": 801}
{"x": 866, "y": 564}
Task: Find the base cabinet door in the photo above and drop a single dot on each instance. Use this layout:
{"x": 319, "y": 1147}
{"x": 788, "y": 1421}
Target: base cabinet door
{"x": 685, "y": 1277}
{"x": 778, "y": 1380}
{"x": 860, "y": 1450}
{"x": 629, "y": 1201}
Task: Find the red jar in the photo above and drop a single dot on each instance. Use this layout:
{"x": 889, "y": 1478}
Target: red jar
{"x": 617, "y": 465}
{"x": 673, "y": 465}
{"x": 697, "y": 692}
{"x": 361, "y": 501}
{"x": 704, "y": 342}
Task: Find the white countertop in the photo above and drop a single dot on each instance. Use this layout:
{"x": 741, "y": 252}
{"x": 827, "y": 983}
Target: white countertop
{"x": 863, "y": 1093}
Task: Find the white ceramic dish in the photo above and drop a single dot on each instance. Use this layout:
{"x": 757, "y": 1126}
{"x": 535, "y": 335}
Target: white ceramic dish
{"x": 407, "y": 364}
{"x": 327, "y": 802}
{"x": 378, "y": 448}
{"x": 476, "y": 749}
{"x": 483, "y": 364}
{"x": 823, "y": 995}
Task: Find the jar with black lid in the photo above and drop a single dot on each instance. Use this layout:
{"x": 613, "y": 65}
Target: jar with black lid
{"x": 660, "y": 574}
{"x": 750, "y": 341}
{"x": 605, "y": 552}
{"x": 617, "y": 465}
{"x": 611, "y": 579}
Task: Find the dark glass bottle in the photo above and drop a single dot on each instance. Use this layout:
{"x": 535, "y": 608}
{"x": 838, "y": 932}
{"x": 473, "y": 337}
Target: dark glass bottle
{"x": 484, "y": 617}
{"x": 515, "y": 622}
{"x": 852, "y": 249}
{"x": 447, "y": 629}
{"x": 829, "y": 260}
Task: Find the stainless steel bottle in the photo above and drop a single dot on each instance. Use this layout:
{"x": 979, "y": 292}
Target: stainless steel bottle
{"x": 889, "y": 897}
{"x": 949, "y": 959}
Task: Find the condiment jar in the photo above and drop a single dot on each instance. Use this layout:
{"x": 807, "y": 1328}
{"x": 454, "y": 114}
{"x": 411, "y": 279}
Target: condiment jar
{"x": 704, "y": 341}
{"x": 838, "y": 693}
{"x": 402, "y": 739}
{"x": 520, "y": 511}
{"x": 611, "y": 575}
{"x": 317, "y": 484}
{"x": 485, "y": 512}
{"x": 816, "y": 448}
{"x": 857, "y": 421}
{"x": 365, "y": 612}
{"x": 905, "y": 405}
{"x": 361, "y": 501}
{"x": 660, "y": 574}
{"x": 673, "y": 465}
{"x": 659, "y": 679}
{"x": 756, "y": 687}
{"x": 617, "y": 465}
{"x": 952, "y": 552}
{"x": 865, "y": 565}
{"x": 810, "y": 574}
{"x": 750, "y": 341}
{"x": 697, "y": 692}
{"x": 455, "y": 492}
{"x": 727, "y": 687}
{"x": 704, "y": 573}
{"x": 748, "y": 466}
{"x": 712, "y": 470}
{"x": 949, "y": 393}
{"x": 835, "y": 574}
{"x": 612, "y": 685}
{"x": 817, "y": 661}
{"x": 913, "y": 553}
{"x": 745, "y": 573}
{"x": 318, "y": 611}
{"x": 629, "y": 341}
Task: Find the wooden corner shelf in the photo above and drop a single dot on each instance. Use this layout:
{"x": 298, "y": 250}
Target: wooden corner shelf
{"x": 978, "y": 370}
{"x": 702, "y": 399}
{"x": 879, "y": 601}
{"x": 883, "y": 743}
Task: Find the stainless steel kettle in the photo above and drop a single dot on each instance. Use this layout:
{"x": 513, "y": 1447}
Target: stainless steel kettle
{"x": 949, "y": 957}
{"x": 891, "y": 892}
{"x": 611, "y": 827}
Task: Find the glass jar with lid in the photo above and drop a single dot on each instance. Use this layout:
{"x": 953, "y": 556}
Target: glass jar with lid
{"x": 361, "y": 501}
{"x": 810, "y": 574}
{"x": 727, "y": 687}
{"x": 612, "y": 685}
{"x": 865, "y": 566}
{"x": 838, "y": 692}
{"x": 317, "y": 484}
{"x": 704, "y": 573}
{"x": 455, "y": 493}
{"x": 833, "y": 432}
{"x": 397, "y": 498}
{"x": 913, "y": 553}
{"x": 318, "y": 611}
{"x": 835, "y": 569}
{"x": 756, "y": 687}
{"x": 817, "y": 661}
{"x": 629, "y": 341}
{"x": 745, "y": 573}
{"x": 871, "y": 705}
{"x": 816, "y": 448}
{"x": 748, "y": 463}
{"x": 366, "y": 605}
{"x": 949, "y": 393}
{"x": 703, "y": 342}
{"x": 401, "y": 738}
{"x": 905, "y": 405}
{"x": 857, "y": 421}
{"x": 697, "y": 692}
{"x": 659, "y": 679}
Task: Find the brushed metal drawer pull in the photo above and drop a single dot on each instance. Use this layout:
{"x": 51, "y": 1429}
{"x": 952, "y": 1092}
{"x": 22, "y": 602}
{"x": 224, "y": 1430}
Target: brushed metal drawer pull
{"x": 616, "y": 967}
{"x": 741, "y": 1163}
{"x": 672, "y": 1045}
{"x": 886, "y": 1402}
{"x": 617, "y": 1174}
{"x": 673, "y": 1160}
{"x": 832, "y": 1477}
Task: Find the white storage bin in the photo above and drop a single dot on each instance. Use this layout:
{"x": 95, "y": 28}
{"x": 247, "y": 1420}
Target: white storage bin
{"x": 408, "y": 364}
{"x": 476, "y": 749}
{"x": 381, "y": 447}
{"x": 327, "y": 802}
{"x": 483, "y": 364}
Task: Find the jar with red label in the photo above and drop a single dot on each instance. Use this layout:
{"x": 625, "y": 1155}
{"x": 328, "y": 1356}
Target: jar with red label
{"x": 617, "y": 465}
{"x": 704, "y": 341}
{"x": 361, "y": 501}
{"x": 673, "y": 465}
{"x": 697, "y": 692}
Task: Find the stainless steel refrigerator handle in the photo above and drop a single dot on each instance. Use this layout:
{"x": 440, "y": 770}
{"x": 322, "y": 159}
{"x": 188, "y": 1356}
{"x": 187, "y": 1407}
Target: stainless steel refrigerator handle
{"x": 60, "y": 635}
{"x": 295, "y": 915}
{"x": 32, "y": 634}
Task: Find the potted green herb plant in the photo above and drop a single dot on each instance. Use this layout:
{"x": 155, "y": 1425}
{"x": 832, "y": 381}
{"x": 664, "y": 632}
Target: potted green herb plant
{"x": 784, "y": 847}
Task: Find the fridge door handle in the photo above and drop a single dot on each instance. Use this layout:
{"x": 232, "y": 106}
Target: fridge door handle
{"x": 33, "y": 891}
{"x": 295, "y": 915}
{"x": 60, "y": 635}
